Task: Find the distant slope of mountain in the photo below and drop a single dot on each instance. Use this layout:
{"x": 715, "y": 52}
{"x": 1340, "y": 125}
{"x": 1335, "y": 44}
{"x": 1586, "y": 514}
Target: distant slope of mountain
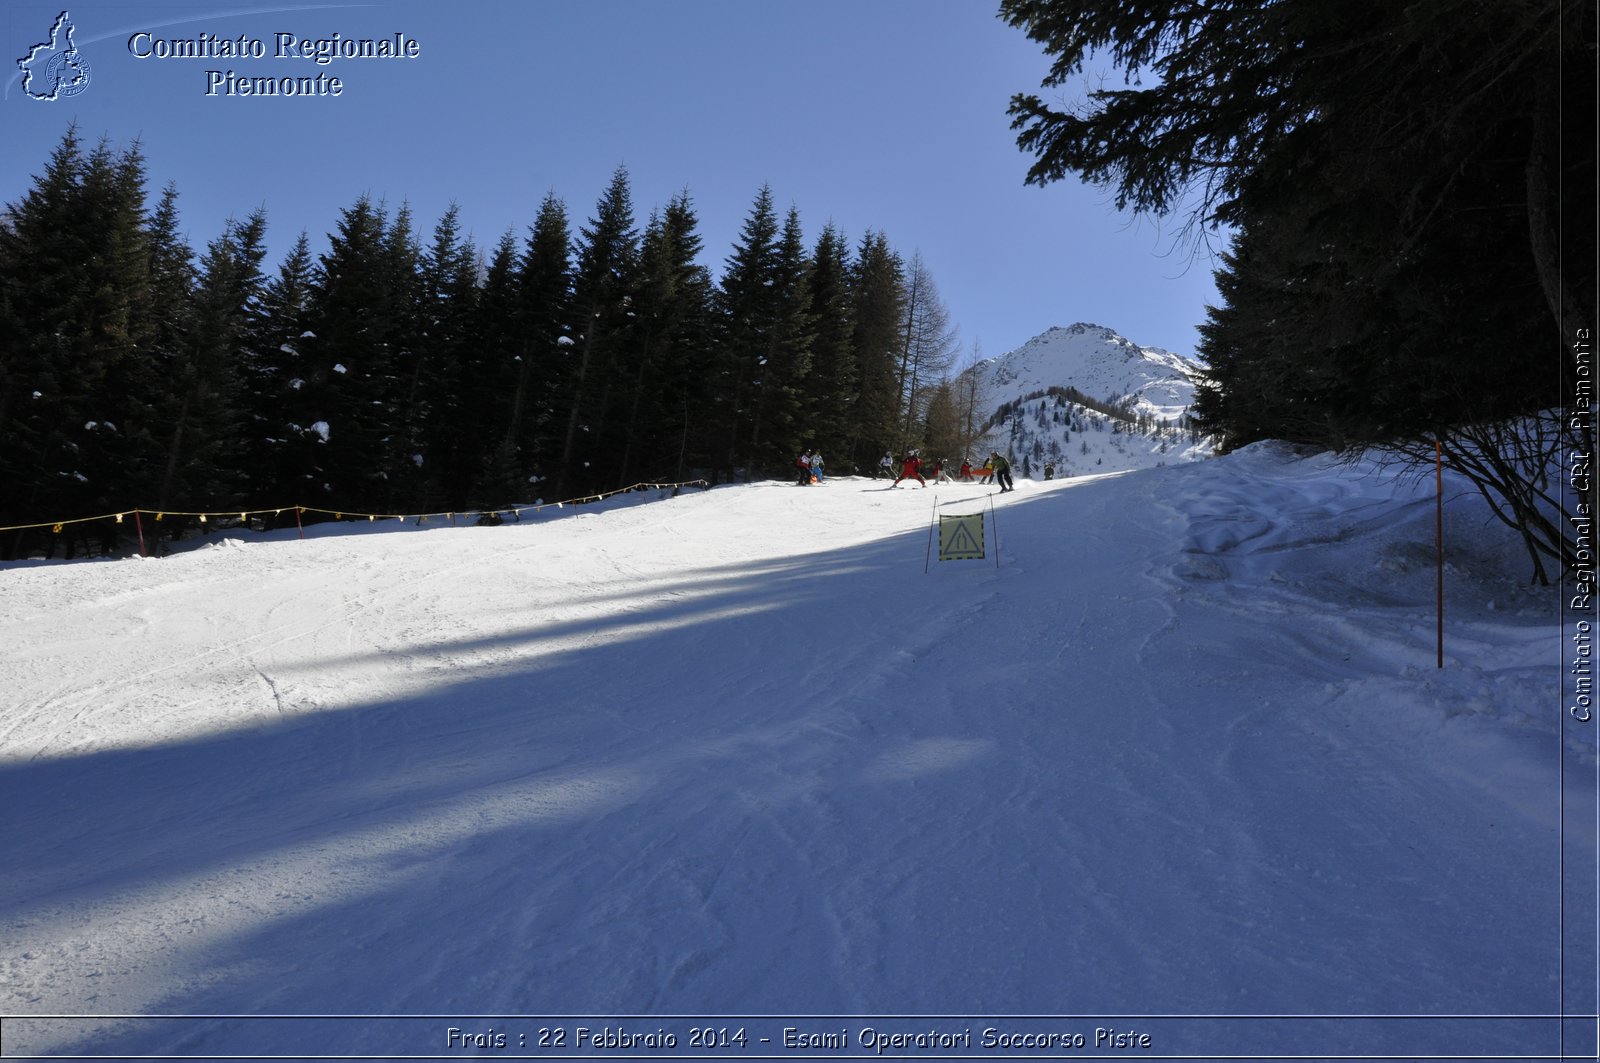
{"x": 1088, "y": 400}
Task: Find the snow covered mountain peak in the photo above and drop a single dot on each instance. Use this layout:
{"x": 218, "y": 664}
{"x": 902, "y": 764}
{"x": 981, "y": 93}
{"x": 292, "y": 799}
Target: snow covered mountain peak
{"x": 1098, "y": 361}
{"x": 1085, "y": 399}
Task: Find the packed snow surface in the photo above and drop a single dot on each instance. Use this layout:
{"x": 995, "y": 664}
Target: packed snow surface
{"x": 1176, "y": 746}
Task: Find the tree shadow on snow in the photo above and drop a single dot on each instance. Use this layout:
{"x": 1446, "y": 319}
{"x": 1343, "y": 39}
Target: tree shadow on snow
{"x": 582, "y": 830}
{"x": 690, "y": 812}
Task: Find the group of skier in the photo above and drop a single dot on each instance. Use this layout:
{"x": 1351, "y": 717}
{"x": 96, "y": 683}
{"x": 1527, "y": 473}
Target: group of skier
{"x": 912, "y": 467}
{"x": 809, "y": 468}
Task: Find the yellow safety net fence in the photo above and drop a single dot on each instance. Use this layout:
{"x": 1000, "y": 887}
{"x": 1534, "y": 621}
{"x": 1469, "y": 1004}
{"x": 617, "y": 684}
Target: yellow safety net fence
{"x": 245, "y": 515}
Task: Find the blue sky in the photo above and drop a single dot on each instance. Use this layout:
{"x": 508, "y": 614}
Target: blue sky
{"x": 876, "y": 114}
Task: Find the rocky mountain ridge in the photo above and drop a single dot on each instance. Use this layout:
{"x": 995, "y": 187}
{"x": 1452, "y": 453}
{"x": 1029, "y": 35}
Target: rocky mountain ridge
{"x": 1083, "y": 400}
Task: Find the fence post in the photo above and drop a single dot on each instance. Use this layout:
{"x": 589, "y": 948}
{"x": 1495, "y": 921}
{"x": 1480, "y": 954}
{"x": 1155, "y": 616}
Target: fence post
{"x": 1438, "y": 521}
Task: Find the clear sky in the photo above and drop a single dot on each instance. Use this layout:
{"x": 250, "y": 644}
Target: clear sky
{"x": 877, "y": 114}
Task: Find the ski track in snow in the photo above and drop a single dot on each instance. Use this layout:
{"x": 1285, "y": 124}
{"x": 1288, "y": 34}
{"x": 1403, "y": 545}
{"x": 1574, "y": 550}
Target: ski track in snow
{"x": 1183, "y": 751}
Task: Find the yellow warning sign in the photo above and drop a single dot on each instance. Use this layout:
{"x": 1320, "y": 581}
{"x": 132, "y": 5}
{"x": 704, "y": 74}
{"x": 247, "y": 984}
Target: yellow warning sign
{"x": 961, "y": 538}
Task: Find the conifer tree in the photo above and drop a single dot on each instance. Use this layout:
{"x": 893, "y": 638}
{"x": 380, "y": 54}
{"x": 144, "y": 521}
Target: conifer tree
{"x": 744, "y": 309}
{"x": 444, "y": 394}
{"x": 349, "y": 371}
{"x": 671, "y": 303}
{"x": 834, "y": 390}
{"x": 781, "y": 399}
{"x": 205, "y": 422}
{"x": 878, "y": 302}
{"x": 146, "y": 381}
{"x": 117, "y": 318}
{"x": 765, "y": 345}
{"x": 492, "y": 369}
{"x": 531, "y": 438}
{"x": 606, "y": 260}
{"x": 400, "y": 415}
{"x": 274, "y": 375}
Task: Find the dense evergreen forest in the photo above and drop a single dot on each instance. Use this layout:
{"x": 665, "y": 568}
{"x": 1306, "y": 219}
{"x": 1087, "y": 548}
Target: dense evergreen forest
{"x": 1406, "y": 195}
{"x": 403, "y": 372}
{"x": 1403, "y": 195}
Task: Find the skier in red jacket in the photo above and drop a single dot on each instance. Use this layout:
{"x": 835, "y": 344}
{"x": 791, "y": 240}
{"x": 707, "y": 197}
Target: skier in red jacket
{"x": 910, "y": 466}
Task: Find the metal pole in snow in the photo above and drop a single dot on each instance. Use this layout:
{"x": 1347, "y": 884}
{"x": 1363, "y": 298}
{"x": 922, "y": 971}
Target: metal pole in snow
{"x": 996, "y": 524}
{"x": 1438, "y": 472}
{"x": 139, "y": 524}
{"x": 928, "y": 558}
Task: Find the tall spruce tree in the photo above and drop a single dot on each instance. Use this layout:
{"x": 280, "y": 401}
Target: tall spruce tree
{"x": 443, "y": 392}
{"x": 147, "y": 381}
{"x": 765, "y": 344}
{"x": 744, "y": 309}
{"x": 274, "y": 374}
{"x": 349, "y": 369}
{"x": 487, "y": 391}
{"x": 877, "y": 296}
{"x": 532, "y": 440}
{"x": 834, "y": 389}
{"x": 670, "y": 324}
{"x": 205, "y": 420}
{"x": 606, "y": 260}
{"x": 782, "y": 399}
{"x": 128, "y": 392}
{"x": 399, "y": 414}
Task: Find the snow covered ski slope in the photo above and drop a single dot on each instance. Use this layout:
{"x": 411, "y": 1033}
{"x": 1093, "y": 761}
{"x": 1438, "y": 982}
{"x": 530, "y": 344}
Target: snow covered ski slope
{"x": 1183, "y": 751}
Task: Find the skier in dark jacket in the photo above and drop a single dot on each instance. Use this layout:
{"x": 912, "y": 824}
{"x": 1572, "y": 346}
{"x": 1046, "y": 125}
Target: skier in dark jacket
{"x": 1002, "y": 472}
